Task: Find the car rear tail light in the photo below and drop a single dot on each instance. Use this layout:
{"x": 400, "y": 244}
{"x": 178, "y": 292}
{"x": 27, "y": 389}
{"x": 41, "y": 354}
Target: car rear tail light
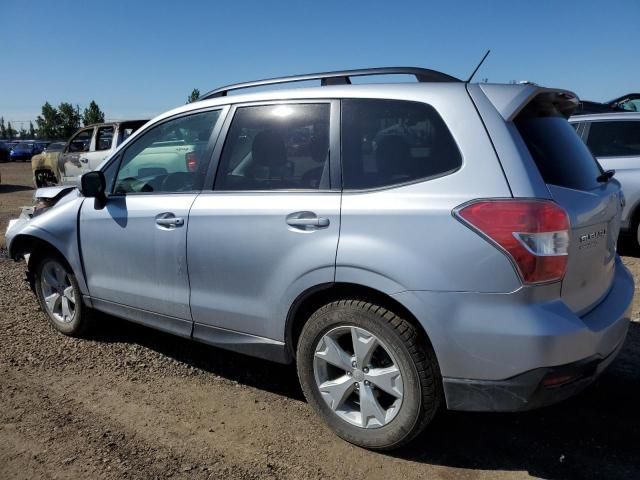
{"x": 533, "y": 233}
{"x": 191, "y": 159}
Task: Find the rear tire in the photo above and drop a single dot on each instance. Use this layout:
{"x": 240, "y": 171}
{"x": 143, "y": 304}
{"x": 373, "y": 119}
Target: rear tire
{"x": 378, "y": 374}
{"x": 59, "y": 295}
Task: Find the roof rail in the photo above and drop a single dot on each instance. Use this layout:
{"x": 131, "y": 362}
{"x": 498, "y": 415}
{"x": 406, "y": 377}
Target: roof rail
{"x": 341, "y": 77}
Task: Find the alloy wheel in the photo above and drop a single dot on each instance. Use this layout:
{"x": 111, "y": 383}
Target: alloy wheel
{"x": 58, "y": 292}
{"x": 358, "y": 377}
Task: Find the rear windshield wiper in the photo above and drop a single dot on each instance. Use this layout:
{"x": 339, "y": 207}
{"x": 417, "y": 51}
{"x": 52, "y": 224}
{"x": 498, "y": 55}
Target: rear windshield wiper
{"x": 606, "y": 176}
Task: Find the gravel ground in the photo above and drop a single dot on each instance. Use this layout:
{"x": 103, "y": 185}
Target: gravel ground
{"x": 134, "y": 403}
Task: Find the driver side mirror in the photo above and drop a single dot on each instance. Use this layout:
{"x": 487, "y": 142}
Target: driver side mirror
{"x": 93, "y": 185}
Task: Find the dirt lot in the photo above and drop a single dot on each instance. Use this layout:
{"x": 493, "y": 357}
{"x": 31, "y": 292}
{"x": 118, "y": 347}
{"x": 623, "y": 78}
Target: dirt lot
{"x": 134, "y": 403}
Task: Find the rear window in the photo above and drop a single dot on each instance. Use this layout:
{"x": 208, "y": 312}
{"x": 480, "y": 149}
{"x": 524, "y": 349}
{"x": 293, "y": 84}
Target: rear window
{"x": 560, "y": 155}
{"x": 614, "y": 139}
{"x": 390, "y": 142}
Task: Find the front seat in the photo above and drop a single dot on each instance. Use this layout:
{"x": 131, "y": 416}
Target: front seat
{"x": 269, "y": 155}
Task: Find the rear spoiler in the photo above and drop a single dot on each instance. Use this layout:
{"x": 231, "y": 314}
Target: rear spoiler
{"x": 509, "y": 100}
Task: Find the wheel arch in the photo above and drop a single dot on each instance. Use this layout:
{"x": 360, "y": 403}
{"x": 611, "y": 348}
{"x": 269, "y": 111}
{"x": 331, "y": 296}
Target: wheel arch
{"x": 36, "y": 248}
{"x": 313, "y": 298}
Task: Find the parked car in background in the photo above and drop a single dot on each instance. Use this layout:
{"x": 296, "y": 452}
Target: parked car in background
{"x": 4, "y": 151}
{"x": 614, "y": 139}
{"x": 90, "y": 145}
{"x": 45, "y": 165}
{"x": 408, "y": 246}
{"x": 23, "y": 151}
{"x": 626, "y": 103}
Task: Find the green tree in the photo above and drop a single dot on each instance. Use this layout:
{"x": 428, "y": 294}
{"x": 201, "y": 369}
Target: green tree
{"x": 23, "y": 133}
{"x": 195, "y": 95}
{"x": 69, "y": 120}
{"x": 10, "y": 131}
{"x": 3, "y": 129}
{"x": 32, "y": 131}
{"x": 48, "y": 122}
{"x": 92, "y": 114}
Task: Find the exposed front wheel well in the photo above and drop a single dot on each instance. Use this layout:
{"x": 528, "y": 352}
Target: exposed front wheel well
{"x": 35, "y": 247}
{"x": 315, "y": 297}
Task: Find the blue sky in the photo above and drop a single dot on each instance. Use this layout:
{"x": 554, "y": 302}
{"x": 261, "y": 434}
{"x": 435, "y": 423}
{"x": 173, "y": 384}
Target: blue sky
{"x": 140, "y": 58}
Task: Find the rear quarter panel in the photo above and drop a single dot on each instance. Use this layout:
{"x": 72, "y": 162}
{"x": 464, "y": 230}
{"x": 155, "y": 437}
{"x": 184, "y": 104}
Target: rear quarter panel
{"x": 405, "y": 238}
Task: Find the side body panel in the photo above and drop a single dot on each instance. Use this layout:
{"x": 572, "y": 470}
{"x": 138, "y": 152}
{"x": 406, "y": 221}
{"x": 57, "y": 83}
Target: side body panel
{"x": 520, "y": 170}
{"x": 57, "y": 226}
{"x": 247, "y": 266}
{"x": 131, "y": 260}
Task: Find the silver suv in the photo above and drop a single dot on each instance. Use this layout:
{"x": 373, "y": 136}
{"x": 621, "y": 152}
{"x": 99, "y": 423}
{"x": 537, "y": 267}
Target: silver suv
{"x": 614, "y": 139}
{"x": 410, "y": 246}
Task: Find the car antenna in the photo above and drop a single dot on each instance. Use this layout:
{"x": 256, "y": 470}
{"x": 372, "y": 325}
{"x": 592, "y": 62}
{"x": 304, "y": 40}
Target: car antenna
{"x": 479, "y": 65}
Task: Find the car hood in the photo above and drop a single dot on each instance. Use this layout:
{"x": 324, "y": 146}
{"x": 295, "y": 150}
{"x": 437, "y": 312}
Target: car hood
{"x": 53, "y": 193}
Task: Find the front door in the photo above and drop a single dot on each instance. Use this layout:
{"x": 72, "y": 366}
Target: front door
{"x": 134, "y": 249}
{"x": 269, "y": 228}
{"x": 73, "y": 159}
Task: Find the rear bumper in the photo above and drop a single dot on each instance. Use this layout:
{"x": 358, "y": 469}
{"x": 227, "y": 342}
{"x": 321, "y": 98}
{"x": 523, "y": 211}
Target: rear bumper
{"x": 495, "y": 350}
{"x": 530, "y": 390}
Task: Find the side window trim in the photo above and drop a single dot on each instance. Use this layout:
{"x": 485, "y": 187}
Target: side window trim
{"x": 584, "y": 134}
{"x": 92, "y": 143}
{"x": 118, "y": 157}
{"x": 334, "y": 145}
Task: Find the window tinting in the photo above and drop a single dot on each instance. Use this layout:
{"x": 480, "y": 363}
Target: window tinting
{"x": 387, "y": 142}
{"x": 559, "y": 153}
{"x": 614, "y": 139}
{"x": 169, "y": 157}
{"x": 104, "y": 137}
{"x": 273, "y": 147}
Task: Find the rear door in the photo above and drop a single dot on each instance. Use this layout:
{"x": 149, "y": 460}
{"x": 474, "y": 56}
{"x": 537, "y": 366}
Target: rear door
{"x": 269, "y": 228}
{"x": 593, "y": 203}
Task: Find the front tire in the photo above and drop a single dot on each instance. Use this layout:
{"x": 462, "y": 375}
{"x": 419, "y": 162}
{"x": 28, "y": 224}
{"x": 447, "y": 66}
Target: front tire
{"x": 370, "y": 375}
{"x": 59, "y": 296}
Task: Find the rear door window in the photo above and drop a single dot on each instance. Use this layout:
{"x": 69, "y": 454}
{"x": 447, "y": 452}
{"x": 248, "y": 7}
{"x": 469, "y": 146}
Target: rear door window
{"x": 560, "y": 155}
{"x": 277, "y": 147}
{"x": 104, "y": 137}
{"x": 614, "y": 139}
{"x": 390, "y": 142}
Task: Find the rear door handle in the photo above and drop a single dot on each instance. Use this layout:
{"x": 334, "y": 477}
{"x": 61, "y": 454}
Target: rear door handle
{"x": 168, "y": 220}
{"x": 306, "y": 221}
{"x": 84, "y": 160}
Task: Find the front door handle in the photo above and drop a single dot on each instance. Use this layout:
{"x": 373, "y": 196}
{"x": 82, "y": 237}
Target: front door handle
{"x": 169, "y": 220}
{"x": 84, "y": 160}
{"x": 307, "y": 221}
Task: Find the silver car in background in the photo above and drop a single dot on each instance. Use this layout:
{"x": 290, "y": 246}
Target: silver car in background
{"x": 410, "y": 246}
{"x": 614, "y": 139}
